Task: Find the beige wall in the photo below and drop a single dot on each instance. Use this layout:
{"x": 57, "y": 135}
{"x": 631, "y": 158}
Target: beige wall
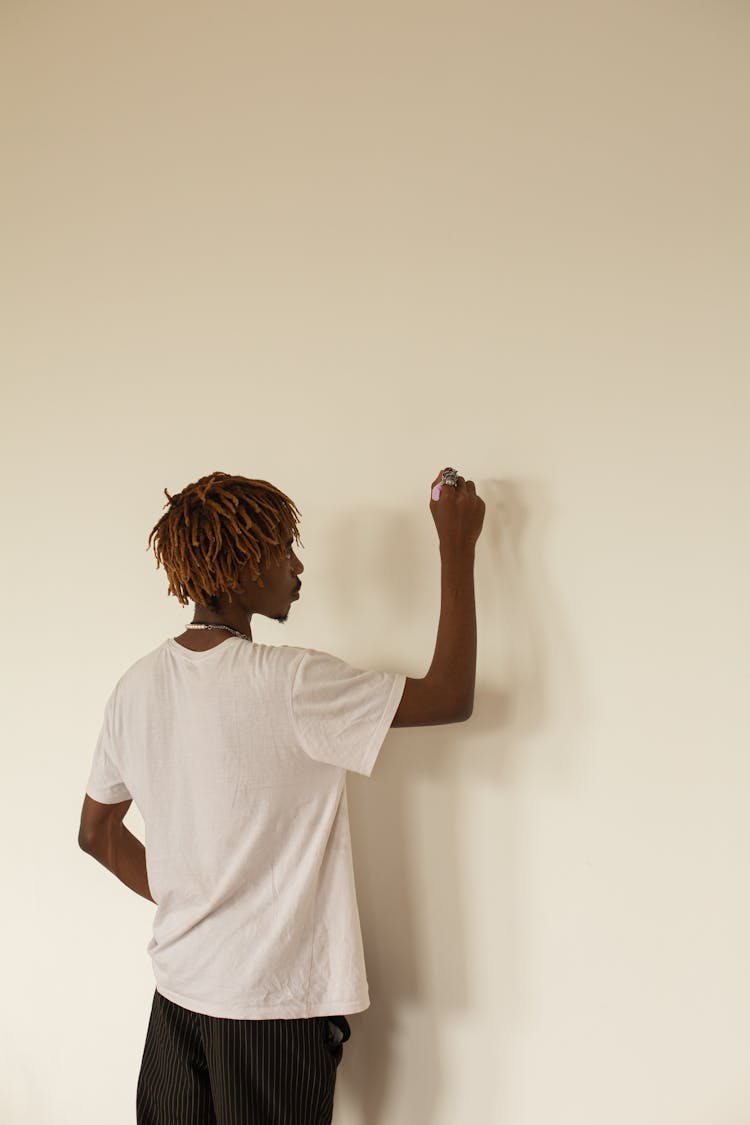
{"x": 339, "y": 246}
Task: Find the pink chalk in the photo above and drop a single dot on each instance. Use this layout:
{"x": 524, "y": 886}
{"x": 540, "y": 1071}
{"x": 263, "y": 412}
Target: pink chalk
{"x": 436, "y": 491}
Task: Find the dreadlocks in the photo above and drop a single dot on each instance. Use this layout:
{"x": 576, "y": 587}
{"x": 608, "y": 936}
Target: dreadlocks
{"x": 217, "y": 526}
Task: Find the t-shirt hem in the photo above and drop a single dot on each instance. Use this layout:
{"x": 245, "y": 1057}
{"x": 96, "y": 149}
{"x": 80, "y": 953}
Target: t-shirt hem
{"x": 108, "y": 794}
{"x": 268, "y": 1011}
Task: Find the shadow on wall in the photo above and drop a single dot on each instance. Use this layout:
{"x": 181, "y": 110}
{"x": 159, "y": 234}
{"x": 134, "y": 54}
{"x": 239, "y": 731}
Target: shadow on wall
{"x": 407, "y": 820}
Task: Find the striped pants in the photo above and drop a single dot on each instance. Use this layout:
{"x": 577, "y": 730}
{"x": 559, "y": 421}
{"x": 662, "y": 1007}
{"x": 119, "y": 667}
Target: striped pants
{"x": 203, "y": 1070}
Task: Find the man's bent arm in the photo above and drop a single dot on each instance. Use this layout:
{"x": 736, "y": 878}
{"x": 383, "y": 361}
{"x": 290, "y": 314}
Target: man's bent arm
{"x": 446, "y": 693}
{"x": 105, "y": 837}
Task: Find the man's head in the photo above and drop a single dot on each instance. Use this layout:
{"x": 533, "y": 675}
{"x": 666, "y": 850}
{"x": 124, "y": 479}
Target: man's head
{"x": 222, "y": 533}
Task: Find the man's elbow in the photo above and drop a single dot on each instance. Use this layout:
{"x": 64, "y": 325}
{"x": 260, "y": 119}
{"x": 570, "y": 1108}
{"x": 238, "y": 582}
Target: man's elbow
{"x": 91, "y": 842}
{"x": 460, "y": 711}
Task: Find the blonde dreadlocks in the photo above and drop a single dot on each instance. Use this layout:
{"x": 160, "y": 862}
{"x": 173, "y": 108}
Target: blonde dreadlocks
{"x": 216, "y": 527}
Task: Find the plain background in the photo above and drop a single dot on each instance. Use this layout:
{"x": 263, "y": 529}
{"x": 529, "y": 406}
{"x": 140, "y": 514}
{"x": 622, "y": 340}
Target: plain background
{"x": 339, "y": 246}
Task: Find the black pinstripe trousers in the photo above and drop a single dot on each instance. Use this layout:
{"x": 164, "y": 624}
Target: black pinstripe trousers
{"x": 204, "y": 1070}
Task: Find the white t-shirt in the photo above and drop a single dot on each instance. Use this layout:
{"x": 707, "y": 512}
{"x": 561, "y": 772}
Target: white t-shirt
{"x": 236, "y": 758}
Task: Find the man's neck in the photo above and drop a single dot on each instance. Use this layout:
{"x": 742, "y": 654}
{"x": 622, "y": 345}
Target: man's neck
{"x": 202, "y": 639}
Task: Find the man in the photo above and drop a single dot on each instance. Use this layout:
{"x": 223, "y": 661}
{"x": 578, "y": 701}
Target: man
{"x": 236, "y": 755}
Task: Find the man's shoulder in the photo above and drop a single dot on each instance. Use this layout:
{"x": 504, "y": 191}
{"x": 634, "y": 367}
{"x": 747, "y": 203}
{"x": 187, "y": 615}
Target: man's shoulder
{"x": 271, "y": 658}
{"x": 142, "y": 665}
{"x": 289, "y": 656}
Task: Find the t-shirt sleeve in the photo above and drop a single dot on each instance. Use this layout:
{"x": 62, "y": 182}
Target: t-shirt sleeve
{"x": 342, "y": 714}
{"x": 105, "y": 783}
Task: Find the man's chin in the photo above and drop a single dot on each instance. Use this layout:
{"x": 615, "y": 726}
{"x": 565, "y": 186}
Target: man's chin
{"x": 283, "y": 619}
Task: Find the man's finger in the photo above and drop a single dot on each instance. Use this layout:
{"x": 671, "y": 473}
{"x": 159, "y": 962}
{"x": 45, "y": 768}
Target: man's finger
{"x": 438, "y": 486}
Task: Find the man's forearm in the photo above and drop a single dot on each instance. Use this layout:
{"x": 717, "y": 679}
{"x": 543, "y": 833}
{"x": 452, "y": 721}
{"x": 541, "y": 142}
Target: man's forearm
{"x": 125, "y": 856}
{"x": 455, "y": 659}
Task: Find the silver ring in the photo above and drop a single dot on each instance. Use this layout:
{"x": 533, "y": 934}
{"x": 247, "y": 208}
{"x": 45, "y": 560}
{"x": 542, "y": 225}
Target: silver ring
{"x": 450, "y": 476}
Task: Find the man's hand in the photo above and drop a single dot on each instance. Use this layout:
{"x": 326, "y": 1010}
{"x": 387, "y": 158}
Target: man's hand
{"x": 458, "y": 514}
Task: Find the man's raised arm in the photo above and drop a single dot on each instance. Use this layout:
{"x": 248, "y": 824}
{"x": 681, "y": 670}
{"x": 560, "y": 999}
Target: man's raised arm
{"x": 446, "y": 693}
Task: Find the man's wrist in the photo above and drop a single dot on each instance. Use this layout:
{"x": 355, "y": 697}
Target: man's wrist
{"x": 458, "y": 554}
